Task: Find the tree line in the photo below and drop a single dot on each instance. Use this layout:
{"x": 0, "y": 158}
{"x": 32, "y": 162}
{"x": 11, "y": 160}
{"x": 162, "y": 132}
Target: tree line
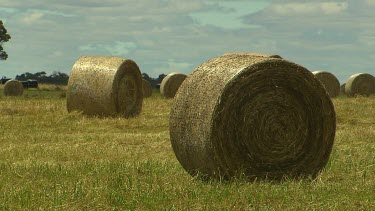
{"x": 60, "y": 78}
{"x": 57, "y": 78}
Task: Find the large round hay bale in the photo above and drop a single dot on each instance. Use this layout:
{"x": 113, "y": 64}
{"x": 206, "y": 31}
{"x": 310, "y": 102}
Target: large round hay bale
{"x": 330, "y": 82}
{"x": 170, "y": 84}
{"x": 252, "y": 116}
{"x": 13, "y": 88}
{"x": 146, "y": 88}
{"x": 105, "y": 86}
{"x": 360, "y": 84}
{"x": 342, "y": 89}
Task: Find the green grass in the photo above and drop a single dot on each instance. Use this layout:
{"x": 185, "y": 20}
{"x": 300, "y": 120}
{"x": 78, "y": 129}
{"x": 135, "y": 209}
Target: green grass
{"x": 54, "y": 160}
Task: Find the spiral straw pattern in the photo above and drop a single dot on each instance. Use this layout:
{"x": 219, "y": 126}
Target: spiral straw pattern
{"x": 253, "y": 116}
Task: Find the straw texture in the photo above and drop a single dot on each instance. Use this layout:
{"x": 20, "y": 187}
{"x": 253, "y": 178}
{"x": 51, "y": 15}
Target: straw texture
{"x": 170, "y": 84}
{"x": 106, "y": 86}
{"x": 13, "y": 88}
{"x": 330, "y": 82}
{"x": 360, "y": 84}
{"x": 253, "y": 116}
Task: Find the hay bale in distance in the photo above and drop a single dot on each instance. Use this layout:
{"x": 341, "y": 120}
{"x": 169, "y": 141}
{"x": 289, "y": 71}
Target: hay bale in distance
{"x": 260, "y": 117}
{"x": 342, "y": 89}
{"x": 147, "y": 89}
{"x": 330, "y": 82}
{"x": 105, "y": 86}
{"x": 170, "y": 84}
{"x": 360, "y": 84}
{"x": 13, "y": 88}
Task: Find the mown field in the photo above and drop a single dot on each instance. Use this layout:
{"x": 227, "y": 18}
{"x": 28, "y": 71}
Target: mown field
{"x": 54, "y": 160}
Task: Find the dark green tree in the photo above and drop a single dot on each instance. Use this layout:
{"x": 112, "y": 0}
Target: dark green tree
{"x": 55, "y": 78}
{"x": 4, "y": 37}
{"x": 146, "y": 77}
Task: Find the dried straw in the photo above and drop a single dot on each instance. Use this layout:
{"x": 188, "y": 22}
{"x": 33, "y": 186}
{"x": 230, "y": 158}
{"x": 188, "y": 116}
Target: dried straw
{"x": 252, "y": 116}
{"x": 147, "y": 89}
{"x": 170, "y": 84}
{"x": 330, "y": 82}
{"x": 104, "y": 85}
{"x": 360, "y": 84}
{"x": 13, "y": 88}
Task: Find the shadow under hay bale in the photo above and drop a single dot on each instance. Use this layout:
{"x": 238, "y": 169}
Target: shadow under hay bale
{"x": 253, "y": 116}
{"x": 329, "y": 81}
{"x": 170, "y": 84}
{"x": 360, "y": 84}
{"x": 146, "y": 88}
{"x": 104, "y": 85}
{"x": 13, "y": 88}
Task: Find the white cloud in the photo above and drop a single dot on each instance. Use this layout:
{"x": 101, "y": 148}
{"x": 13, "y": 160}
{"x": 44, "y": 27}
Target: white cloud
{"x": 7, "y": 10}
{"x": 178, "y": 35}
{"x": 228, "y": 15}
{"x": 333, "y": 7}
{"x": 310, "y": 8}
{"x": 370, "y": 2}
{"x": 118, "y": 48}
{"x": 52, "y": 12}
{"x": 183, "y": 6}
{"x": 32, "y": 17}
{"x": 178, "y": 66}
{"x": 121, "y": 48}
{"x": 172, "y": 65}
{"x": 56, "y": 54}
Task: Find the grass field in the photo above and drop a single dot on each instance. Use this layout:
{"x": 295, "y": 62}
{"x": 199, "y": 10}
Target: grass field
{"x": 54, "y": 160}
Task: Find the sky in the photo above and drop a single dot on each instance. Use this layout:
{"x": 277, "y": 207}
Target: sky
{"x": 164, "y": 36}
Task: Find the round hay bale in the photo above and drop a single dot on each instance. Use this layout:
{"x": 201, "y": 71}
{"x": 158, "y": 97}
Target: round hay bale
{"x": 342, "y": 89}
{"x": 170, "y": 84}
{"x": 258, "y": 117}
{"x": 147, "y": 89}
{"x": 13, "y": 88}
{"x": 330, "y": 82}
{"x": 360, "y": 84}
{"x": 105, "y": 86}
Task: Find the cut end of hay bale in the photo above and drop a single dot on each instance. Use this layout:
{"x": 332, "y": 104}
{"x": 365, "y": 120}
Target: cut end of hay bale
{"x": 329, "y": 81}
{"x": 13, "y": 88}
{"x": 170, "y": 84}
{"x": 147, "y": 88}
{"x": 105, "y": 86}
{"x": 253, "y": 117}
{"x": 360, "y": 84}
